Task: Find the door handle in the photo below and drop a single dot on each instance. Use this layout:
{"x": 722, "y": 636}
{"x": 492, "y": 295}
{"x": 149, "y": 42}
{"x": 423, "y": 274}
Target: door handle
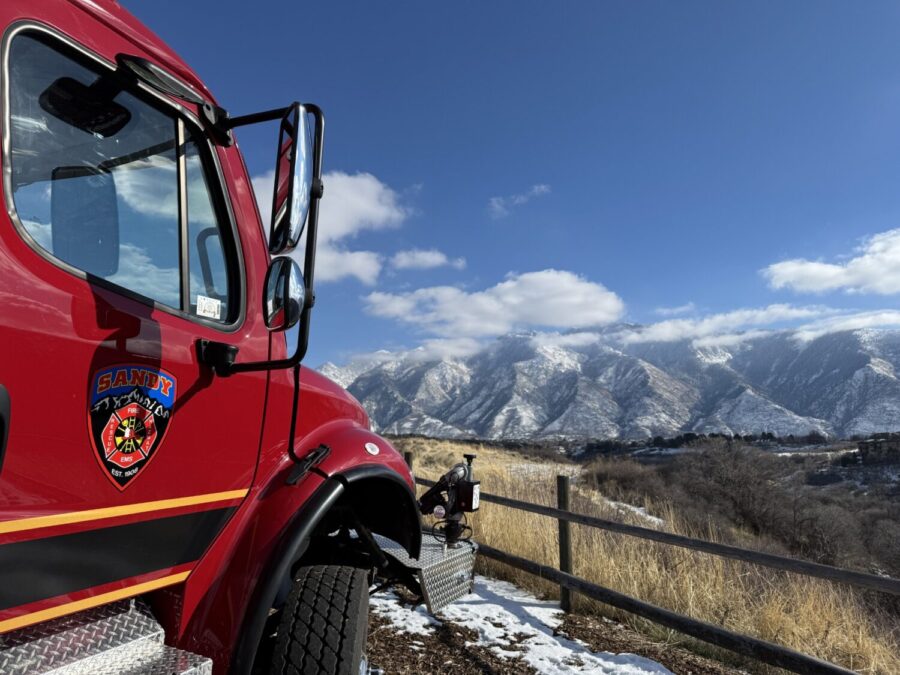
{"x": 4, "y": 422}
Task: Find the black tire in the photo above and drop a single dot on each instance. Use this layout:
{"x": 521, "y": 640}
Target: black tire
{"x": 324, "y": 623}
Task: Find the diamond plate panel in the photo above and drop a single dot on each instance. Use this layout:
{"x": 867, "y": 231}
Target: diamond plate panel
{"x": 395, "y": 550}
{"x": 53, "y": 644}
{"x": 445, "y": 573}
{"x": 169, "y": 661}
{"x": 141, "y": 659}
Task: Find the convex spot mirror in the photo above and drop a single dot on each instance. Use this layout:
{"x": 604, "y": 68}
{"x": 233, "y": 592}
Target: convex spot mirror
{"x": 285, "y": 294}
{"x": 293, "y": 180}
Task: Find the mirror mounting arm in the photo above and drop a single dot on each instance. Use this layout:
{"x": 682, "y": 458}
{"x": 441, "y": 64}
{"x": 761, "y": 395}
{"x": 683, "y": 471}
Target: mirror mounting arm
{"x": 217, "y": 355}
{"x": 309, "y": 265}
{"x": 220, "y": 123}
{"x": 215, "y": 121}
{"x": 312, "y": 231}
{"x": 229, "y": 123}
{"x": 318, "y": 188}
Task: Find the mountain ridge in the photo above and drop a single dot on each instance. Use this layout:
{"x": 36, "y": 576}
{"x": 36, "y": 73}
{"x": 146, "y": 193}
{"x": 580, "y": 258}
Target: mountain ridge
{"x": 524, "y": 386}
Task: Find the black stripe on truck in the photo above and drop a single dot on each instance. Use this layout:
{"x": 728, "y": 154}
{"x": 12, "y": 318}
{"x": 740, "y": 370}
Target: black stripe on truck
{"x": 45, "y": 568}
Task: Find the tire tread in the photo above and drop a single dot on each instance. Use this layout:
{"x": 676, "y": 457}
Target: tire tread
{"x": 324, "y": 623}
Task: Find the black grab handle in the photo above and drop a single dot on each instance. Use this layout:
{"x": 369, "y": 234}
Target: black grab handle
{"x": 4, "y": 422}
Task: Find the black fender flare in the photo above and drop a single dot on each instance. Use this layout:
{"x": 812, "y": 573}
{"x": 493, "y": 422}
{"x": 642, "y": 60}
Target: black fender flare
{"x": 295, "y": 539}
{"x": 406, "y": 525}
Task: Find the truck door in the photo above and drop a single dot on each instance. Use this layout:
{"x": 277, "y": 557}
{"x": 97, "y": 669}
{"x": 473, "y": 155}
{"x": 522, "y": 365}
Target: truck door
{"x": 123, "y": 456}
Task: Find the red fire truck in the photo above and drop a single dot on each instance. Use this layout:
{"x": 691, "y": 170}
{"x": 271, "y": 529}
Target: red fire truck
{"x": 178, "y": 494}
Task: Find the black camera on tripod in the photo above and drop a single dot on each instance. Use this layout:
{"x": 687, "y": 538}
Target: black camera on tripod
{"x": 455, "y": 494}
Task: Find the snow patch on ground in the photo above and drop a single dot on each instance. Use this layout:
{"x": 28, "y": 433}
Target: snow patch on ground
{"x": 624, "y": 509}
{"x": 404, "y": 620}
{"x": 638, "y": 511}
{"x": 544, "y": 471}
{"x": 514, "y": 624}
{"x": 539, "y": 470}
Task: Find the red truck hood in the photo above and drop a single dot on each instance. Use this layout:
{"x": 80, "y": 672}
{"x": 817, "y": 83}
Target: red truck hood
{"x": 331, "y": 397}
{"x": 123, "y": 22}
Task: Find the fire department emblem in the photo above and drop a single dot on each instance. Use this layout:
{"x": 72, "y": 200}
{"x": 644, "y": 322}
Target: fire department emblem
{"x": 130, "y": 410}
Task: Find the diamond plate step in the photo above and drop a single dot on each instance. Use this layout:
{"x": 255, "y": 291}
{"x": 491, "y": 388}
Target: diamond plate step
{"x": 446, "y": 573}
{"x": 118, "y": 638}
{"x": 150, "y": 658}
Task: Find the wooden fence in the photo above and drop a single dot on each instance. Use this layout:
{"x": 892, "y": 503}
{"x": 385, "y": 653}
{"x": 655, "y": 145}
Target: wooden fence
{"x": 766, "y": 652}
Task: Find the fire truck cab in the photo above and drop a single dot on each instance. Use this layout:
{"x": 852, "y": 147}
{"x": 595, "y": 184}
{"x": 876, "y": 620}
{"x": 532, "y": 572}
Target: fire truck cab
{"x": 177, "y": 493}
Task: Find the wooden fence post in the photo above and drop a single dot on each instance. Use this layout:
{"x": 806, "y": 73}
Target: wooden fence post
{"x": 408, "y": 456}
{"x": 565, "y": 540}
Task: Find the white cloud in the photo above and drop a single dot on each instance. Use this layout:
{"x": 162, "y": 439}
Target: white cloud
{"x": 729, "y": 339}
{"x": 730, "y": 329}
{"x": 500, "y": 207}
{"x": 435, "y": 349}
{"x": 150, "y": 187}
{"x": 875, "y": 268}
{"x": 718, "y": 330}
{"x": 722, "y": 325}
{"x": 263, "y": 185}
{"x": 424, "y": 259}
{"x": 352, "y": 203}
{"x": 445, "y": 348}
{"x": 687, "y": 308}
{"x": 40, "y": 232}
{"x": 875, "y": 319}
{"x": 552, "y": 298}
{"x": 333, "y": 264}
{"x": 138, "y": 272}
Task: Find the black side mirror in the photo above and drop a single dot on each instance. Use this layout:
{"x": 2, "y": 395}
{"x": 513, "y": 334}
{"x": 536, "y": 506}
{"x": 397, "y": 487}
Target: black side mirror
{"x": 84, "y": 210}
{"x": 289, "y": 298}
{"x": 293, "y": 180}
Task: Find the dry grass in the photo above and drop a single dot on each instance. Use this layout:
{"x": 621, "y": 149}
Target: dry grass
{"x": 816, "y": 617}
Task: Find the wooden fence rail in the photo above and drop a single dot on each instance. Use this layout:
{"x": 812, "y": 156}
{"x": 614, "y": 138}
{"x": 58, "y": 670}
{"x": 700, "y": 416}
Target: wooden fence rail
{"x": 760, "y": 650}
{"x": 767, "y": 652}
{"x": 810, "y": 569}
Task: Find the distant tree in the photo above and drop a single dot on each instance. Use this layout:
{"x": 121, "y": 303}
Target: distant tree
{"x": 815, "y": 438}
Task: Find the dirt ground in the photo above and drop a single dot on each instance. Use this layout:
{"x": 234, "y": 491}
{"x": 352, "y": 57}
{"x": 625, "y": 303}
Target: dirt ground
{"x": 609, "y": 636}
{"x": 446, "y": 649}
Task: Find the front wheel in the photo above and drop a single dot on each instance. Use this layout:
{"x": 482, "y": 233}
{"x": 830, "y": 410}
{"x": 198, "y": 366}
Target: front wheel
{"x": 324, "y": 623}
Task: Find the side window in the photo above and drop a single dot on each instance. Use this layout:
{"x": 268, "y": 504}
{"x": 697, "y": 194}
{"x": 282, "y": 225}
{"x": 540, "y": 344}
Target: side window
{"x": 209, "y": 278}
{"x": 95, "y": 182}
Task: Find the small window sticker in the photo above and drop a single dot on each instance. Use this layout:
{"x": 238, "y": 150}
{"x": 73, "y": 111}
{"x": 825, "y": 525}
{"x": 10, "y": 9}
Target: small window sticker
{"x": 209, "y": 307}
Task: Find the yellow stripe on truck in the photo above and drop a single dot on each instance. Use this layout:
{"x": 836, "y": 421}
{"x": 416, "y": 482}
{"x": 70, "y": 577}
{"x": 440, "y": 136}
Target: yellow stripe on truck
{"x": 38, "y": 522}
{"x": 87, "y": 603}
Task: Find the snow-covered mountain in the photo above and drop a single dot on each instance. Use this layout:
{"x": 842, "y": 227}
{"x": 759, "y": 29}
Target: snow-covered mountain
{"x": 522, "y": 386}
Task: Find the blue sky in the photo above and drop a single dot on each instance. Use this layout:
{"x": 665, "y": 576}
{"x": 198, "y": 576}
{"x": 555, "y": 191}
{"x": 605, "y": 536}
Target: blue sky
{"x": 577, "y": 163}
